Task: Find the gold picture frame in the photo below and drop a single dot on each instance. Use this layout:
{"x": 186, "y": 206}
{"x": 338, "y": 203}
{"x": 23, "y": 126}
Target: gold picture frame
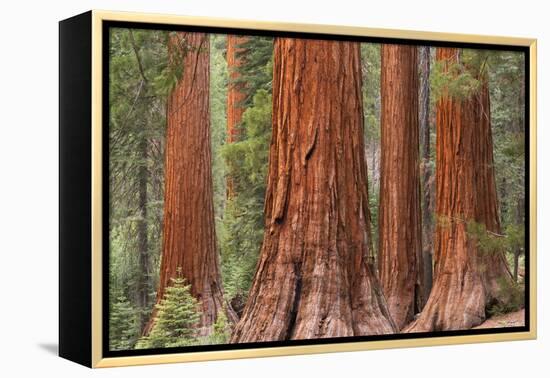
{"x": 96, "y": 19}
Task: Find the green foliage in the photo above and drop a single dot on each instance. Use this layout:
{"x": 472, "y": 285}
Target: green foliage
{"x": 218, "y": 103}
{"x": 246, "y": 163}
{"x": 221, "y": 331}
{"x": 515, "y": 235}
{"x": 241, "y": 230}
{"x": 370, "y": 72}
{"x": 170, "y": 71}
{"x": 123, "y": 323}
{"x": 137, "y": 122}
{"x": 486, "y": 241}
{"x": 461, "y": 79}
{"x": 256, "y": 69}
{"x": 490, "y": 242}
{"x": 371, "y": 67}
{"x": 511, "y": 297}
{"x": 452, "y": 79}
{"x": 374, "y": 196}
{"x": 476, "y": 61}
{"x": 506, "y": 85}
{"x": 177, "y": 317}
{"x": 166, "y": 81}
{"x": 507, "y": 91}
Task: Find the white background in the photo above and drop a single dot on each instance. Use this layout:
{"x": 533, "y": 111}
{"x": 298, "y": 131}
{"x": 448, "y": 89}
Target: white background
{"x": 29, "y": 189}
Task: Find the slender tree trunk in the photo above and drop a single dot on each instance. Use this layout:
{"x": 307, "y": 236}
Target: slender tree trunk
{"x": 312, "y": 279}
{"x": 189, "y": 240}
{"x": 235, "y": 95}
{"x": 517, "y": 251}
{"x": 144, "y": 287}
{"x": 520, "y": 199}
{"x": 466, "y": 278}
{"x": 427, "y": 174}
{"x": 400, "y": 229}
{"x": 519, "y": 215}
{"x": 144, "y": 279}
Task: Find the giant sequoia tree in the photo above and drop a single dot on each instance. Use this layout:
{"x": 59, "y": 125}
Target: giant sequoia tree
{"x": 189, "y": 242}
{"x": 467, "y": 276}
{"x": 400, "y": 230}
{"x": 313, "y": 279}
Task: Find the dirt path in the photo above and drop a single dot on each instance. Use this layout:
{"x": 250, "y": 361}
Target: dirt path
{"x": 512, "y": 319}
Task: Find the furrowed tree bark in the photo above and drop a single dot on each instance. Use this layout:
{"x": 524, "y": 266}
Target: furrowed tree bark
{"x": 400, "y": 229}
{"x": 312, "y": 278}
{"x": 189, "y": 240}
{"x": 235, "y": 95}
{"x": 466, "y": 278}
{"x": 428, "y": 193}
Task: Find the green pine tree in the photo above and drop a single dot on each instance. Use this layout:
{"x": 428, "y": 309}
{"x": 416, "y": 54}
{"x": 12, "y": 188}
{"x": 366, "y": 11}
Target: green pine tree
{"x": 221, "y": 331}
{"x": 177, "y": 318}
{"x": 123, "y": 324}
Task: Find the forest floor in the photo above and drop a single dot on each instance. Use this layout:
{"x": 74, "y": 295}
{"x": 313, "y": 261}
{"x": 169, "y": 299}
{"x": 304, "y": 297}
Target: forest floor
{"x": 512, "y": 319}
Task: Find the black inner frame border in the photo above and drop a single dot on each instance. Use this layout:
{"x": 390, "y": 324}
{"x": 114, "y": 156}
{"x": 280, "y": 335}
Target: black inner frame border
{"x": 107, "y": 25}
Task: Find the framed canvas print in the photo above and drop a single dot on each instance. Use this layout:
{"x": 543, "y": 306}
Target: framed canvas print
{"x": 235, "y": 189}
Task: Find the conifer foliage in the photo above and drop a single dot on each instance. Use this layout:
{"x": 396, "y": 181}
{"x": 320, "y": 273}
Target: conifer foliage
{"x": 177, "y": 318}
{"x": 246, "y": 165}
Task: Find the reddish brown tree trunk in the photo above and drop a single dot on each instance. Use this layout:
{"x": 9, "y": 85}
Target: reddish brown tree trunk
{"x": 466, "y": 278}
{"x": 235, "y": 95}
{"x": 400, "y": 242}
{"x": 189, "y": 240}
{"x": 312, "y": 279}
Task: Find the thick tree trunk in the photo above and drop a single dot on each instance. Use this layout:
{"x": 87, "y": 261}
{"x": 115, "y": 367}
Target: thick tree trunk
{"x": 428, "y": 193}
{"x": 189, "y": 240}
{"x": 400, "y": 229}
{"x": 466, "y": 278}
{"x": 235, "y": 95}
{"x": 312, "y": 279}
